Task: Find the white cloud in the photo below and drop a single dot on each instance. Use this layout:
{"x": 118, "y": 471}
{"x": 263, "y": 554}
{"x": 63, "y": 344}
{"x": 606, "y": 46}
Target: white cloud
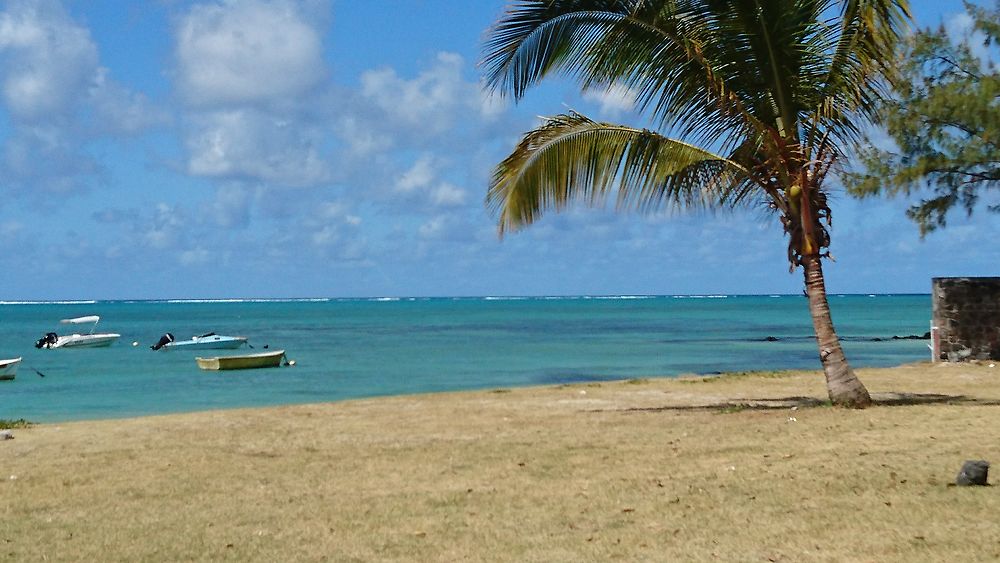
{"x": 165, "y": 227}
{"x": 48, "y": 60}
{"x": 230, "y": 207}
{"x": 419, "y": 176}
{"x": 362, "y": 140}
{"x": 48, "y": 158}
{"x": 119, "y": 110}
{"x": 327, "y": 236}
{"x": 613, "y": 100}
{"x": 249, "y": 144}
{"x": 433, "y": 228}
{"x": 251, "y": 73}
{"x": 421, "y": 183}
{"x": 448, "y": 195}
{"x": 491, "y": 104}
{"x": 59, "y": 99}
{"x": 247, "y": 52}
{"x": 431, "y": 102}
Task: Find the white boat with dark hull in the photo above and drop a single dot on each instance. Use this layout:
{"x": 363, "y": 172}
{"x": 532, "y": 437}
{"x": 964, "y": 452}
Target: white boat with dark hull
{"x": 210, "y": 341}
{"x": 8, "y": 368}
{"x": 89, "y": 340}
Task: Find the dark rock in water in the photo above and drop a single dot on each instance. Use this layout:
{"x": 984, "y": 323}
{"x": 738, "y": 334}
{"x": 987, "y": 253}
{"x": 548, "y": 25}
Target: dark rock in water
{"x": 877, "y": 339}
{"x": 771, "y": 339}
{"x": 926, "y": 336}
{"x": 973, "y": 473}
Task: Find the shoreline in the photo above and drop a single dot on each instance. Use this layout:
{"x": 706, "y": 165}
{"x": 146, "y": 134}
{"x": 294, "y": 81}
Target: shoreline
{"x": 747, "y": 466}
{"x": 488, "y": 389}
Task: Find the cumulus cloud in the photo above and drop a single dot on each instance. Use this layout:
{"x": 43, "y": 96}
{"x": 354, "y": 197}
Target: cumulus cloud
{"x": 334, "y": 231}
{"x": 613, "y": 100}
{"x": 247, "y": 52}
{"x": 48, "y": 60}
{"x": 419, "y": 176}
{"x": 433, "y": 100}
{"x": 117, "y": 109}
{"x": 165, "y": 227}
{"x": 58, "y": 98}
{"x": 47, "y": 158}
{"x": 250, "y": 74}
{"x": 421, "y": 183}
{"x": 255, "y": 145}
{"x": 446, "y": 194}
{"x": 360, "y": 139}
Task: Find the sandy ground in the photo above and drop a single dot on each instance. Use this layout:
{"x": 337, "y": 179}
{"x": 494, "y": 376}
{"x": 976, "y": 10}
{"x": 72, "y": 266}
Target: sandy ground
{"x": 747, "y": 467}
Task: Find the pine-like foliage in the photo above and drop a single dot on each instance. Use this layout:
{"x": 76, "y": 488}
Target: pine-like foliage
{"x": 944, "y": 122}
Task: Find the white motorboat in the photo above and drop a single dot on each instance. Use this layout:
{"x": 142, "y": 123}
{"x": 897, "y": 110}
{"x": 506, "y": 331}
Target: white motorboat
{"x": 76, "y": 340}
{"x": 210, "y": 341}
{"x": 8, "y": 368}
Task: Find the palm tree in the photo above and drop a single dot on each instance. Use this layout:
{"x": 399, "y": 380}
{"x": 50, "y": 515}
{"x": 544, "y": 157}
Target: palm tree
{"x": 753, "y": 101}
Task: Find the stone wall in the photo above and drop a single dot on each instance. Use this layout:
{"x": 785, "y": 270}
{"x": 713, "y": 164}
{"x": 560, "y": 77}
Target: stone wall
{"x": 966, "y": 312}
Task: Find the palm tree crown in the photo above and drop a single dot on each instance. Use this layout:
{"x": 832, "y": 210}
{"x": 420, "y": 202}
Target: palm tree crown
{"x": 751, "y": 101}
{"x": 768, "y": 90}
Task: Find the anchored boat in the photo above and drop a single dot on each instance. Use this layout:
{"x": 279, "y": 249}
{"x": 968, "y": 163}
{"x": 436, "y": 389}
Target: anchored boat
{"x": 247, "y": 361}
{"x": 210, "y": 341}
{"x": 8, "y": 368}
{"x": 89, "y": 340}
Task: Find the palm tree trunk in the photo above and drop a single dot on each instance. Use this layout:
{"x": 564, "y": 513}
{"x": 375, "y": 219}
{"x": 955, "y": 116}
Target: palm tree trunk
{"x": 844, "y": 388}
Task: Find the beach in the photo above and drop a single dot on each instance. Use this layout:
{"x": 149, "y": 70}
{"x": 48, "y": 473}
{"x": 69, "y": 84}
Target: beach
{"x": 743, "y": 467}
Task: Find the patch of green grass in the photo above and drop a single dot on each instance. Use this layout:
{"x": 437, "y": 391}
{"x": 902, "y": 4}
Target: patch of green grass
{"x": 637, "y": 381}
{"x": 7, "y": 424}
{"x": 763, "y": 374}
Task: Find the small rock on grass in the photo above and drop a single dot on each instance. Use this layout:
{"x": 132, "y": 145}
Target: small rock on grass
{"x": 974, "y": 472}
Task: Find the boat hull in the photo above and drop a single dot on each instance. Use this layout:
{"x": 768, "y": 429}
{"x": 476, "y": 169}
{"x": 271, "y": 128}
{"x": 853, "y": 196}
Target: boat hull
{"x": 247, "y": 361}
{"x": 214, "y": 342}
{"x": 8, "y": 368}
{"x": 86, "y": 340}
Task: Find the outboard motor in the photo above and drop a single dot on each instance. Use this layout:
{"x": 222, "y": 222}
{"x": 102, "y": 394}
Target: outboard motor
{"x": 47, "y": 341}
{"x": 163, "y": 341}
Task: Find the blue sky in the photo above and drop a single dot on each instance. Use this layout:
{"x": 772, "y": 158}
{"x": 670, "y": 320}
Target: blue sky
{"x": 168, "y": 149}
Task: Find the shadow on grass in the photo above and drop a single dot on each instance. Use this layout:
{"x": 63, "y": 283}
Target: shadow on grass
{"x": 889, "y": 399}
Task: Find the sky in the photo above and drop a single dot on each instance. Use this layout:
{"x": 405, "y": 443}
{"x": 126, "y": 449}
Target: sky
{"x": 342, "y": 148}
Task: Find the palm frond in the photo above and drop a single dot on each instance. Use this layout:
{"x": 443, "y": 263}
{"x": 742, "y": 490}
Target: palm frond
{"x": 712, "y": 72}
{"x": 861, "y": 67}
{"x": 572, "y": 158}
{"x": 655, "y": 49}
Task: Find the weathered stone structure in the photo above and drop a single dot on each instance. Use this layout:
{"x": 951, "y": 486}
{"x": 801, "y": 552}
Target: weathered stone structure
{"x": 966, "y": 319}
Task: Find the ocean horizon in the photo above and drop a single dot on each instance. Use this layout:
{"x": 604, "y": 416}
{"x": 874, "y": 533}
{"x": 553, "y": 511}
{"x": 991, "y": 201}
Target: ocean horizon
{"x": 355, "y": 347}
{"x": 385, "y": 298}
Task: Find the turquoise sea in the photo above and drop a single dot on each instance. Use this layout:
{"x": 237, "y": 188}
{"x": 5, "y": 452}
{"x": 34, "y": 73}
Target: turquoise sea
{"x": 348, "y": 348}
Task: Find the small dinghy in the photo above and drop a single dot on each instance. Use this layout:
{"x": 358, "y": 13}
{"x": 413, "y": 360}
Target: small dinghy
{"x": 247, "y": 361}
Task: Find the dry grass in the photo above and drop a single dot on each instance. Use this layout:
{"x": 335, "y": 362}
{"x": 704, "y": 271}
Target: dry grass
{"x": 644, "y": 470}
